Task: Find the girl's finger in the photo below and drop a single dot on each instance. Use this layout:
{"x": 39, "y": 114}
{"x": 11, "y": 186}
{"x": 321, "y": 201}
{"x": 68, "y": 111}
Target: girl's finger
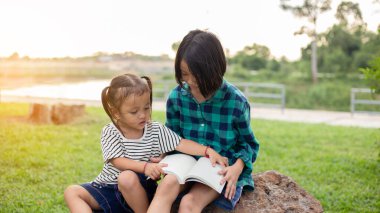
{"x": 228, "y": 189}
{"x": 225, "y": 160}
{"x": 220, "y": 162}
{"x": 232, "y": 191}
{"x": 155, "y": 159}
{"x": 213, "y": 162}
{"x": 163, "y": 165}
{"x": 223, "y": 180}
{"x": 222, "y": 172}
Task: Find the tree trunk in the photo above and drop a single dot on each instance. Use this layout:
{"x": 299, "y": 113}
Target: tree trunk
{"x": 314, "y": 66}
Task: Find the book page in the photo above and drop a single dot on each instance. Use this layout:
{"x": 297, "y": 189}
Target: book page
{"x": 179, "y": 165}
{"x": 204, "y": 172}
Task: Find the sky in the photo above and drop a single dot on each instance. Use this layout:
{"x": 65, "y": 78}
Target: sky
{"x": 60, "y": 28}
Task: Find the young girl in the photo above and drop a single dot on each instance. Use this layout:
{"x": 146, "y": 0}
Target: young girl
{"x": 208, "y": 109}
{"x": 128, "y": 143}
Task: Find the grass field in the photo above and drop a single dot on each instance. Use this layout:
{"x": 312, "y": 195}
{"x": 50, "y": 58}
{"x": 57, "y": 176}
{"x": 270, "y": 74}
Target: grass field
{"x": 340, "y": 166}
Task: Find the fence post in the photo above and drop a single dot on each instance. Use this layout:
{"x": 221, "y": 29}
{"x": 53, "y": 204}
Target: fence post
{"x": 352, "y": 102}
{"x": 282, "y": 99}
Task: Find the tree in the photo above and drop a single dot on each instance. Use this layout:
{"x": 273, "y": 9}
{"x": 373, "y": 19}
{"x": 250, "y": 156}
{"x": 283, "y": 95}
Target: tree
{"x": 254, "y": 57}
{"x": 311, "y": 9}
{"x": 345, "y": 10}
{"x": 175, "y": 46}
{"x": 14, "y": 57}
{"x": 372, "y": 74}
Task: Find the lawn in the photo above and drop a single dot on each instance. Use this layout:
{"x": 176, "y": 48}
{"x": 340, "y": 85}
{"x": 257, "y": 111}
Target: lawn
{"x": 340, "y": 166}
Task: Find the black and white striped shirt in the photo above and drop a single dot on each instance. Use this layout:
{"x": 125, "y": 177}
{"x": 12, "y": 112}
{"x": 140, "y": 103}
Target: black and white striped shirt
{"x": 156, "y": 140}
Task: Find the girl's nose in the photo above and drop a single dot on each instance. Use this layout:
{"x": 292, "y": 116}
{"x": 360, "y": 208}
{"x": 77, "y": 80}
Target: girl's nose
{"x": 142, "y": 115}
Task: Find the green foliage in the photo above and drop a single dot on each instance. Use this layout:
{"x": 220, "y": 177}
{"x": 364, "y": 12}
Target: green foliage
{"x": 372, "y": 74}
{"x": 236, "y": 71}
{"x": 339, "y": 37}
{"x": 343, "y": 50}
{"x": 334, "y": 61}
{"x": 327, "y": 95}
{"x": 253, "y": 62}
{"x": 175, "y": 46}
{"x": 274, "y": 65}
{"x": 345, "y": 10}
{"x": 337, "y": 165}
{"x": 253, "y": 57}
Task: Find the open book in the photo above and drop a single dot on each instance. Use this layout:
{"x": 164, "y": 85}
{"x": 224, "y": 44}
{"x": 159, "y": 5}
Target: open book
{"x": 187, "y": 168}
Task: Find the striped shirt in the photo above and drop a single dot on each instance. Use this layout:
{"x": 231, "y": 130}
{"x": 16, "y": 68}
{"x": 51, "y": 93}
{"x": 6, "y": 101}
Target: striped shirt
{"x": 222, "y": 122}
{"x": 156, "y": 140}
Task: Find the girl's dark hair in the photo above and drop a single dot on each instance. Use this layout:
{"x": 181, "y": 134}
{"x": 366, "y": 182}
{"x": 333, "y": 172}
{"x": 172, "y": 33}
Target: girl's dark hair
{"x": 122, "y": 87}
{"x": 204, "y": 55}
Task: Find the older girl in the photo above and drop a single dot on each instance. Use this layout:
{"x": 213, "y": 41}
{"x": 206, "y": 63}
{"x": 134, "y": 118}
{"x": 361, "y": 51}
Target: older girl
{"x": 206, "y": 108}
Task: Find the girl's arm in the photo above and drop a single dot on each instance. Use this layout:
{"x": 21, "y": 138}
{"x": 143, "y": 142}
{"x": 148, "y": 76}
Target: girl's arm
{"x": 246, "y": 150}
{"x": 193, "y": 148}
{"x": 153, "y": 170}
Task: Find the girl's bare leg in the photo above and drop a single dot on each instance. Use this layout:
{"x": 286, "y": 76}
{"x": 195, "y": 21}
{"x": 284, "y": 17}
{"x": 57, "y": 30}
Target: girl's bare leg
{"x": 166, "y": 193}
{"x": 133, "y": 192}
{"x": 197, "y": 199}
{"x": 78, "y": 199}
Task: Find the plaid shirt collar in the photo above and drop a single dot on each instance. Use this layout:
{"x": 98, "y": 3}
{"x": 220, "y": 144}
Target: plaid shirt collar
{"x": 218, "y": 95}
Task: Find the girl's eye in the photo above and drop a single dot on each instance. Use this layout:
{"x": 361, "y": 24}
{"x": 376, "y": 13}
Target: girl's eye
{"x": 147, "y": 108}
{"x": 133, "y": 112}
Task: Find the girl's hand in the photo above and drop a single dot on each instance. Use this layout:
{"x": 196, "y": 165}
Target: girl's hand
{"x": 231, "y": 175}
{"x": 154, "y": 170}
{"x": 157, "y": 159}
{"x": 215, "y": 158}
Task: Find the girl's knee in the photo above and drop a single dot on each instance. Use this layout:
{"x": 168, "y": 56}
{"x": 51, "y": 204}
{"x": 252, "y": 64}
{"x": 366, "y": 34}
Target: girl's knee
{"x": 187, "y": 203}
{"x": 127, "y": 180}
{"x": 170, "y": 181}
{"x": 169, "y": 184}
{"x": 73, "y": 191}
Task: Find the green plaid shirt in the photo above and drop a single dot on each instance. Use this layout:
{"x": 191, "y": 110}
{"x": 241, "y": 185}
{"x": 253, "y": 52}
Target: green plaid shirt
{"x": 221, "y": 122}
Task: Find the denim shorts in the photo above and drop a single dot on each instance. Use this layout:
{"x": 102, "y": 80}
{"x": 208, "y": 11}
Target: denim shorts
{"x": 225, "y": 203}
{"x": 110, "y": 198}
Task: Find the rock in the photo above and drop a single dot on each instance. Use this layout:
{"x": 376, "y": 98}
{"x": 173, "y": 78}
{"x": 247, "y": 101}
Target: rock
{"x": 57, "y": 113}
{"x": 274, "y": 193}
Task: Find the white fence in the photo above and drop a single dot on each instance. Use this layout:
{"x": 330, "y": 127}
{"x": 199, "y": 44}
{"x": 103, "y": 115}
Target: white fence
{"x": 264, "y": 94}
{"x": 356, "y": 101}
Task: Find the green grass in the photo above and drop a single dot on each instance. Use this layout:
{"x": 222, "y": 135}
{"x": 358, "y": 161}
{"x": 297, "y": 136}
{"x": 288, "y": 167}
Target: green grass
{"x": 340, "y": 166}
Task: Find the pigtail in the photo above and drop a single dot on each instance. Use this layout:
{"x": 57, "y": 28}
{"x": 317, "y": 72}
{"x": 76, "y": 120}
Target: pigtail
{"x": 150, "y": 87}
{"x": 106, "y": 104}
